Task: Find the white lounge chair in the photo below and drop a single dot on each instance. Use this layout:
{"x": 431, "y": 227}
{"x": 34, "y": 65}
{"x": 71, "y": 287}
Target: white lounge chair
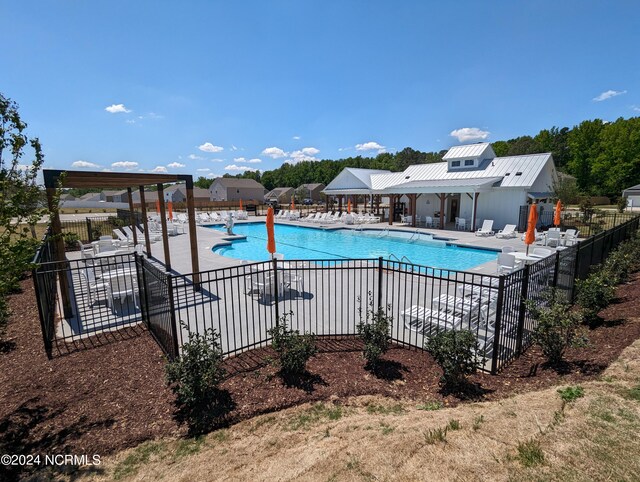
{"x": 541, "y": 253}
{"x": 509, "y": 231}
{"x": 427, "y": 321}
{"x": 486, "y": 229}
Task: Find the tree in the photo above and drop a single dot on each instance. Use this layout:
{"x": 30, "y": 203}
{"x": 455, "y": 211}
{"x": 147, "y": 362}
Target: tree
{"x": 21, "y": 199}
{"x": 203, "y": 182}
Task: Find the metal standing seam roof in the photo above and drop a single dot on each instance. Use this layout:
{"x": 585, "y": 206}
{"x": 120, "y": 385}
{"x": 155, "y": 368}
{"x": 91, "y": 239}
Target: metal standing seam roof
{"x": 481, "y": 149}
{"x": 360, "y": 179}
{"x": 446, "y": 185}
{"x": 632, "y": 191}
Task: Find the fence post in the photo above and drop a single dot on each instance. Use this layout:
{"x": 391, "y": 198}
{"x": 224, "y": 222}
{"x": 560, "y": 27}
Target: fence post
{"x": 576, "y": 268}
{"x": 142, "y": 288}
{"x": 523, "y": 308}
{"x": 379, "y": 283}
{"x": 498, "y": 322}
{"x": 172, "y": 313}
{"x": 46, "y": 337}
{"x": 275, "y": 289}
{"x": 556, "y": 268}
{"x": 89, "y": 230}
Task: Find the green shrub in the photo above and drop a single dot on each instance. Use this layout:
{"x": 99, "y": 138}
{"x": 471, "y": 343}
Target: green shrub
{"x": 375, "y": 333}
{"x": 456, "y": 353}
{"x": 557, "y": 328}
{"x": 294, "y": 349}
{"x": 621, "y": 204}
{"x": 530, "y": 453}
{"x": 570, "y": 394}
{"x": 195, "y": 378}
{"x": 71, "y": 241}
{"x": 593, "y": 294}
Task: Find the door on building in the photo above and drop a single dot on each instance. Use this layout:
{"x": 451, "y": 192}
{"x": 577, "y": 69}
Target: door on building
{"x": 453, "y": 210}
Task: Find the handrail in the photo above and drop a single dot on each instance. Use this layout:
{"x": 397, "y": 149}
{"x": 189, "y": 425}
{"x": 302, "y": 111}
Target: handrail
{"x": 393, "y": 256}
{"x": 385, "y": 232}
{"x": 406, "y": 260}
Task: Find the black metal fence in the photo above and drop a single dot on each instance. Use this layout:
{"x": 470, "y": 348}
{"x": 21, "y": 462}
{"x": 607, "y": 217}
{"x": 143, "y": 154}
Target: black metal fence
{"x": 588, "y": 224}
{"x": 325, "y": 297}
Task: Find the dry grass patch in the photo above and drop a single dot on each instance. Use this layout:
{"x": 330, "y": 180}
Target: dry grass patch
{"x": 531, "y": 436}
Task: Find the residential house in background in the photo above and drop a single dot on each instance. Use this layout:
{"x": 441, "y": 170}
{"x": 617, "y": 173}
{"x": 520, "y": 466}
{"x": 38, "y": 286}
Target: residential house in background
{"x": 310, "y": 191}
{"x": 115, "y": 196}
{"x": 92, "y": 197}
{"x": 633, "y": 196}
{"x": 234, "y": 189}
{"x": 280, "y": 195}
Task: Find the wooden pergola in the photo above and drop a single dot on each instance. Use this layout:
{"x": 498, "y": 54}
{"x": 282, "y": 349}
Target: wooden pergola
{"x": 54, "y": 179}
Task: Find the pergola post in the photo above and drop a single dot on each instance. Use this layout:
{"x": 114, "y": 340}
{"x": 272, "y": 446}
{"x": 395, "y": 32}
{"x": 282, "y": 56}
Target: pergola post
{"x": 132, "y": 217}
{"x": 442, "y": 198}
{"x": 340, "y": 203}
{"x": 56, "y": 231}
{"x": 412, "y": 206}
{"x": 143, "y": 207}
{"x": 193, "y": 238}
{"x": 392, "y": 208}
{"x": 163, "y": 222}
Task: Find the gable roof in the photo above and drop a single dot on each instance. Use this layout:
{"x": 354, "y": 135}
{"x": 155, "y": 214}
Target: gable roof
{"x": 312, "y": 186}
{"x": 278, "y": 191}
{"x": 481, "y": 149}
{"x": 353, "y": 180}
{"x": 632, "y": 191}
{"x": 235, "y": 182}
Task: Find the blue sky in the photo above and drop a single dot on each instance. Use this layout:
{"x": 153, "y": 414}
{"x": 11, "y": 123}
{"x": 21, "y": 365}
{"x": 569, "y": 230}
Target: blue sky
{"x": 208, "y": 87}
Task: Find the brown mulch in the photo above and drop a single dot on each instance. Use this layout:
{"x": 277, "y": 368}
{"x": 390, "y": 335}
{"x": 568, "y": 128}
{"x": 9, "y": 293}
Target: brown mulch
{"x": 112, "y": 396}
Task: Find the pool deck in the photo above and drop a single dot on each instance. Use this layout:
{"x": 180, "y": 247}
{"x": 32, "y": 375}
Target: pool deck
{"x": 207, "y": 238}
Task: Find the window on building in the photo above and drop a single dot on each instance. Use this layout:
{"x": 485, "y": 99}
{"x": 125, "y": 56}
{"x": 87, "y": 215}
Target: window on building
{"x": 455, "y": 163}
{"x": 468, "y": 162}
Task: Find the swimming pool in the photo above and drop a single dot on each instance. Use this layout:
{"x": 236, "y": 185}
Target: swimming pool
{"x": 297, "y": 242}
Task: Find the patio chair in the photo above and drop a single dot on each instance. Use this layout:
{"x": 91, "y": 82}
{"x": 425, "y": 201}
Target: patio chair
{"x": 508, "y": 249}
{"x": 182, "y": 218}
{"x": 92, "y": 285}
{"x": 428, "y": 222}
{"x": 262, "y": 283}
{"x": 553, "y": 238}
{"x": 571, "y": 237}
{"x": 486, "y": 229}
{"x": 506, "y": 263}
{"x": 461, "y": 223}
{"x": 292, "y": 282}
{"x": 121, "y": 287}
{"x": 105, "y": 245}
{"x": 509, "y": 231}
{"x": 86, "y": 250}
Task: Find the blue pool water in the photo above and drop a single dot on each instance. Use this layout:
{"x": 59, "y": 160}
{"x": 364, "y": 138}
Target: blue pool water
{"x": 297, "y": 242}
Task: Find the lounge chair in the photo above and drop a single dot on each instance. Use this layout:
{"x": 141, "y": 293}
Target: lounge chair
{"x": 122, "y": 237}
{"x": 541, "y": 253}
{"x": 509, "y": 231}
{"x": 486, "y": 229}
{"x": 428, "y": 321}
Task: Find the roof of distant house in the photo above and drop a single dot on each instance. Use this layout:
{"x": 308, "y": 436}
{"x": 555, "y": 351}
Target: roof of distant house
{"x": 235, "y": 182}
{"x": 278, "y": 191}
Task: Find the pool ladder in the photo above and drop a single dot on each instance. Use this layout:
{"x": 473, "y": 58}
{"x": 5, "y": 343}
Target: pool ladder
{"x": 404, "y": 259}
{"x": 416, "y": 233}
{"x": 385, "y": 232}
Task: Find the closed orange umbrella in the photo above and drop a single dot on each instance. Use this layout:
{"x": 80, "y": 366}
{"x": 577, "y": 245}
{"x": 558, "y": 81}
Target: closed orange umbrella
{"x": 240, "y": 205}
{"x": 271, "y": 238}
{"x": 349, "y": 206}
{"x": 293, "y": 203}
{"x": 158, "y": 206}
{"x": 530, "y": 235}
{"x": 170, "y": 206}
{"x": 556, "y": 218}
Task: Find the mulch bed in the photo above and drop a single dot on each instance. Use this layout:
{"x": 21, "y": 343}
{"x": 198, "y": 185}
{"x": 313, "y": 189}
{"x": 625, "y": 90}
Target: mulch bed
{"x": 102, "y": 399}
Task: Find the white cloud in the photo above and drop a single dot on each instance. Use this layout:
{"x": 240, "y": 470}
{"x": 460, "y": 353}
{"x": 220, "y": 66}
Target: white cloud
{"x": 296, "y": 138}
{"x": 83, "y": 164}
{"x": 302, "y": 155}
{"x": 371, "y": 146}
{"x": 130, "y": 121}
{"x": 160, "y": 169}
{"x": 233, "y": 148}
{"x": 469, "y": 134}
{"x": 195, "y": 158}
{"x": 274, "y": 152}
{"x": 203, "y": 169}
{"x": 208, "y": 147}
{"x": 217, "y": 160}
{"x": 176, "y": 165}
{"x": 608, "y": 94}
{"x": 250, "y": 161}
{"x": 310, "y": 151}
{"x": 636, "y": 108}
{"x": 233, "y": 167}
{"x": 340, "y": 149}
{"x": 116, "y": 108}
{"x": 125, "y": 164}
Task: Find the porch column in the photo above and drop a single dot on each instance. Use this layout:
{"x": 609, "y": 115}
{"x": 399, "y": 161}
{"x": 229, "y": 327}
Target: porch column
{"x": 340, "y": 203}
{"x": 442, "y": 197}
{"x": 355, "y": 203}
{"x": 413, "y": 205}
{"x": 143, "y": 206}
{"x": 392, "y": 198}
{"x": 132, "y": 217}
{"x": 474, "y": 211}
{"x": 163, "y": 222}
{"x": 193, "y": 237}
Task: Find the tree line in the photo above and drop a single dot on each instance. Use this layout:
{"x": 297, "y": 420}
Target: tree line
{"x": 604, "y": 158}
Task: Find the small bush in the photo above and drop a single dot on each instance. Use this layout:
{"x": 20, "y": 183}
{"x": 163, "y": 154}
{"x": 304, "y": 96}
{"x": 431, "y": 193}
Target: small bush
{"x": 294, "y": 350}
{"x": 436, "y": 435}
{"x": 477, "y": 422}
{"x": 456, "y": 353}
{"x": 557, "y": 328}
{"x": 194, "y": 379}
{"x": 454, "y": 424}
{"x": 374, "y": 330}
{"x": 571, "y": 394}
{"x": 593, "y": 294}
{"x": 621, "y": 204}
{"x": 71, "y": 241}
{"x": 530, "y": 453}
{"x": 430, "y": 406}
